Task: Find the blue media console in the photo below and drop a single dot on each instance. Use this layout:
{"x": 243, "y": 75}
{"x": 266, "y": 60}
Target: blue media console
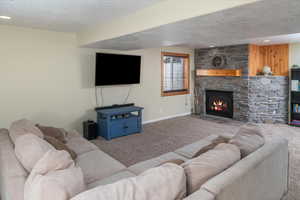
{"x": 116, "y": 122}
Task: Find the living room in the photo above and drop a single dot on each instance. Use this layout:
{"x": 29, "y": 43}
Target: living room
{"x": 238, "y": 70}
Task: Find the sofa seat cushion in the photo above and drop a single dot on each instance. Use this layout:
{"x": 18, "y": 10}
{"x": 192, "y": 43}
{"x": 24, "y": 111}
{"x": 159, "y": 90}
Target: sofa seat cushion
{"x": 111, "y": 179}
{"x": 30, "y": 149}
{"x": 154, "y": 162}
{"x": 167, "y": 182}
{"x": 209, "y": 164}
{"x": 97, "y": 165}
{"x": 80, "y": 145}
{"x": 23, "y": 127}
{"x": 191, "y": 150}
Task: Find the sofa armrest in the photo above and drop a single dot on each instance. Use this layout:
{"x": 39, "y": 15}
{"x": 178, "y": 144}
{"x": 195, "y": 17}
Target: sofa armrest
{"x": 12, "y": 173}
{"x": 200, "y": 194}
{"x": 261, "y": 175}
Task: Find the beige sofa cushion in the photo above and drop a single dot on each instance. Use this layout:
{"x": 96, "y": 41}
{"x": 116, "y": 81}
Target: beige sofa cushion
{"x": 166, "y": 182}
{"x": 80, "y": 145}
{"x": 191, "y": 150}
{"x": 248, "y": 139}
{"x": 209, "y": 164}
{"x": 30, "y": 149}
{"x": 97, "y": 165}
{"x": 154, "y": 162}
{"x": 174, "y": 161}
{"x": 54, "y": 177}
{"x": 23, "y": 127}
{"x": 111, "y": 179}
{"x": 263, "y": 175}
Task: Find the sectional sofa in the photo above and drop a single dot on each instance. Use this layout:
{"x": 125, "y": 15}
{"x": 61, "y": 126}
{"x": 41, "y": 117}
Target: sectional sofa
{"x": 262, "y": 175}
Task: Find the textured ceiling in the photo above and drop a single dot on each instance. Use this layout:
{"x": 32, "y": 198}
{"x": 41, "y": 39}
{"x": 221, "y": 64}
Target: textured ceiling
{"x": 251, "y": 23}
{"x": 66, "y": 15}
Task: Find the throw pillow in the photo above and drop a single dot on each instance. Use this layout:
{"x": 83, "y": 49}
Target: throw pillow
{"x": 248, "y": 139}
{"x": 57, "y": 133}
{"x": 30, "y": 149}
{"x": 58, "y": 145}
{"x": 207, "y": 165}
{"x": 166, "y": 182}
{"x": 213, "y": 144}
{"x": 174, "y": 161}
{"x": 23, "y": 127}
{"x": 54, "y": 177}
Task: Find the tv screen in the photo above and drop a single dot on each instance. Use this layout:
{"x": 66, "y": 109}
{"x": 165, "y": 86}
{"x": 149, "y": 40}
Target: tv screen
{"x": 116, "y": 69}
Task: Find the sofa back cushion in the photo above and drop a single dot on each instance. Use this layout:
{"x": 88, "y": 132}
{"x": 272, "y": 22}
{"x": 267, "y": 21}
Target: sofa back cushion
{"x": 209, "y": 164}
{"x": 248, "y": 139}
{"x": 54, "y": 177}
{"x": 23, "y": 127}
{"x": 166, "y": 182}
{"x": 263, "y": 175}
{"x": 29, "y": 149}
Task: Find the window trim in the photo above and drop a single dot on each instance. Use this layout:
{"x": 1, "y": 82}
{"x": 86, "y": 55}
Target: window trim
{"x": 186, "y": 74}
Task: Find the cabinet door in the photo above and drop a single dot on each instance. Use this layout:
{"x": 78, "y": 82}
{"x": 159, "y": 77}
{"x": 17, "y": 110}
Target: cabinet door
{"x": 131, "y": 125}
{"x": 117, "y": 128}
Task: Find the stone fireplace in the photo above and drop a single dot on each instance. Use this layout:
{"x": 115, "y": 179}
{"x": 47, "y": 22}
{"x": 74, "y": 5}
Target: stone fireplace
{"x": 257, "y": 99}
{"x": 219, "y": 103}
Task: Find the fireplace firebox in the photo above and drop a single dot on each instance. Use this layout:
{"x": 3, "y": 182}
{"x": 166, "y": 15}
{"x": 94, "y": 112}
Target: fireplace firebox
{"x": 219, "y": 103}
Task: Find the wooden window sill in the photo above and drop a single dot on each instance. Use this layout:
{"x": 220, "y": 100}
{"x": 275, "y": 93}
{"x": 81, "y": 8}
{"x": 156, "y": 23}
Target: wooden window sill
{"x": 182, "y": 92}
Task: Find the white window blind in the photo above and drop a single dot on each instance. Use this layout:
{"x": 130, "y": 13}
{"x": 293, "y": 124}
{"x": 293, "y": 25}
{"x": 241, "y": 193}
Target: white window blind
{"x": 173, "y": 74}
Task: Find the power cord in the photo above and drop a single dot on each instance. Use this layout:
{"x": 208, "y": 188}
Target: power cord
{"x": 102, "y": 99}
{"x": 96, "y": 97}
{"x": 128, "y": 94}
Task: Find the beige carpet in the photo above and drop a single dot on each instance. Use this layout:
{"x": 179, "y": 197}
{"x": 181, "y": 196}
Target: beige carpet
{"x": 168, "y": 135}
{"x": 162, "y": 137}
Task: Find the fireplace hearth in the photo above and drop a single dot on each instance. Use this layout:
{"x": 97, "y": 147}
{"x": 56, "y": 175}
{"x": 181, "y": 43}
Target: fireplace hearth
{"x": 219, "y": 103}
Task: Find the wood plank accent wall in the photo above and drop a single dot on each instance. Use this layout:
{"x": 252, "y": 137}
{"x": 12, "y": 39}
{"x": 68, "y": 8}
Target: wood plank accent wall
{"x": 254, "y": 60}
{"x": 275, "y": 56}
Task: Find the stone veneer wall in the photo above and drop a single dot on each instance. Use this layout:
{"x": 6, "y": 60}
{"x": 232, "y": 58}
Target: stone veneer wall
{"x": 236, "y": 57}
{"x": 268, "y": 99}
{"x": 256, "y": 99}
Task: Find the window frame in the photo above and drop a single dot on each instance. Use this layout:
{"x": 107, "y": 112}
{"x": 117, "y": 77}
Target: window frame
{"x": 186, "y": 75}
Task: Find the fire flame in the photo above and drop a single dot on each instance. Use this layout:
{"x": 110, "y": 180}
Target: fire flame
{"x": 218, "y": 105}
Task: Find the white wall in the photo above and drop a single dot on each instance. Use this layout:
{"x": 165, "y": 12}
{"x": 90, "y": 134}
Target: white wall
{"x": 294, "y": 54}
{"x": 46, "y": 78}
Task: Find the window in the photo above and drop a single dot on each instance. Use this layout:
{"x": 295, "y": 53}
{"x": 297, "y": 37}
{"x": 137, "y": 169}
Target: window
{"x": 175, "y": 74}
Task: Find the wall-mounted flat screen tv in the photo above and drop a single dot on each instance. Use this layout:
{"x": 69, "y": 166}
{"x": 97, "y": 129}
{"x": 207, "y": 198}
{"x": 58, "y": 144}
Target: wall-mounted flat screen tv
{"x": 117, "y": 69}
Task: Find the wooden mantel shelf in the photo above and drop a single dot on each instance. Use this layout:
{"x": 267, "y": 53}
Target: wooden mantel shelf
{"x": 218, "y": 72}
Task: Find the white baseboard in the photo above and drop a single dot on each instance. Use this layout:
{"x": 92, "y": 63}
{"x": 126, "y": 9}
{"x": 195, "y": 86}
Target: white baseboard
{"x": 168, "y": 117}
